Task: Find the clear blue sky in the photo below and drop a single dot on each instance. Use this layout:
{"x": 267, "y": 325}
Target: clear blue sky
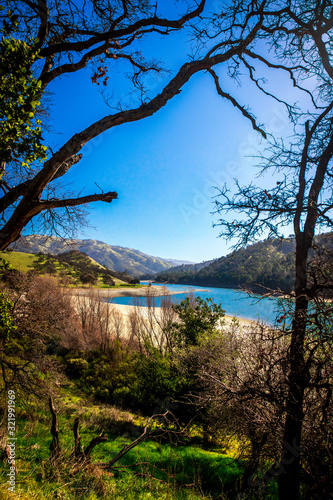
{"x": 163, "y": 167}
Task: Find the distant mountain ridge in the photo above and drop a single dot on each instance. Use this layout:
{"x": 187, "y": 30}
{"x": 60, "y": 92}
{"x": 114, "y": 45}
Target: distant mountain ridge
{"x": 112, "y": 257}
{"x": 266, "y": 264}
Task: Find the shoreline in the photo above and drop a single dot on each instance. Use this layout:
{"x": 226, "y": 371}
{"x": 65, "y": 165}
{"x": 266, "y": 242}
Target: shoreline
{"x": 151, "y": 291}
{"x": 239, "y": 288}
{"x": 126, "y": 311}
{"x": 158, "y": 291}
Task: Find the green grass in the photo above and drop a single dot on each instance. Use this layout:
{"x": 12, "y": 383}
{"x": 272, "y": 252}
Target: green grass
{"x": 150, "y": 471}
{"x": 29, "y": 262}
{"x": 20, "y": 260}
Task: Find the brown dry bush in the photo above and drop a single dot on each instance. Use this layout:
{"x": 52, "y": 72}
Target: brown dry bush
{"x": 43, "y": 316}
{"x": 99, "y": 323}
{"x": 151, "y": 324}
{"x": 244, "y": 375}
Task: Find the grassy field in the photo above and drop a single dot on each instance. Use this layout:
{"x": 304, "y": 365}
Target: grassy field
{"x": 152, "y": 470}
{"x": 69, "y": 272}
{"x": 19, "y": 260}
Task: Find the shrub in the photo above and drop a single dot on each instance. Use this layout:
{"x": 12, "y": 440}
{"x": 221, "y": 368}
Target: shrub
{"x": 88, "y": 278}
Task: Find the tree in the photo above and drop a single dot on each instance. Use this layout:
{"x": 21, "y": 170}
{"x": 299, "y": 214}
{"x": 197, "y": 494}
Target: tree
{"x": 108, "y": 280}
{"x": 88, "y": 278}
{"x": 300, "y": 35}
{"x": 21, "y": 134}
{"x": 244, "y": 386}
{"x": 196, "y": 318}
{"x": 67, "y": 36}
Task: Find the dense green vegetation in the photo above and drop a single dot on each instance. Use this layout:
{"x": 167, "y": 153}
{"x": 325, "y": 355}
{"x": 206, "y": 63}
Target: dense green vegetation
{"x": 268, "y": 264}
{"x": 265, "y": 264}
{"x": 20, "y": 93}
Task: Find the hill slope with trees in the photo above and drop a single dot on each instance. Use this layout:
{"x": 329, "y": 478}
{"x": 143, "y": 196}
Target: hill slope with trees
{"x": 71, "y": 268}
{"x": 266, "y": 264}
{"x": 112, "y": 257}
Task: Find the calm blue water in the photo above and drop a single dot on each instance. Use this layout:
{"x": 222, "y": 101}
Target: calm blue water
{"x": 234, "y": 302}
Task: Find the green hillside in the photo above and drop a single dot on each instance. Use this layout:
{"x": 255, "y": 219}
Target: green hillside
{"x": 19, "y": 260}
{"x": 72, "y": 268}
{"x": 266, "y": 264}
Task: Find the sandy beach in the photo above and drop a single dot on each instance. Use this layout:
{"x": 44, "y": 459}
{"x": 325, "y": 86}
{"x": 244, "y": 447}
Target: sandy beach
{"x": 127, "y": 311}
{"x": 152, "y": 291}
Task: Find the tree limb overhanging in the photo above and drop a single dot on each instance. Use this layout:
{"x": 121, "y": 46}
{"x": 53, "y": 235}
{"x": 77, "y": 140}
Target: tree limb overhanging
{"x": 69, "y": 38}
{"x": 24, "y": 200}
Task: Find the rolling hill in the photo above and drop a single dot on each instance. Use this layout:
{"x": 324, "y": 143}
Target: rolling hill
{"x": 113, "y": 257}
{"x": 72, "y": 268}
{"x": 266, "y": 264}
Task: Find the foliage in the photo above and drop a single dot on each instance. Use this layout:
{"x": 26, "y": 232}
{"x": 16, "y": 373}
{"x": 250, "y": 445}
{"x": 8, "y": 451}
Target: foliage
{"x": 158, "y": 382}
{"x": 107, "y": 376}
{"x": 88, "y": 278}
{"x": 108, "y": 280}
{"x": 37, "y": 316}
{"x": 125, "y": 378}
{"x": 7, "y": 326}
{"x": 20, "y": 92}
{"x": 198, "y": 318}
{"x": 14, "y": 351}
{"x": 150, "y": 378}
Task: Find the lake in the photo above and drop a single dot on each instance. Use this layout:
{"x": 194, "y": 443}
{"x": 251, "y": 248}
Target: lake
{"x": 234, "y": 302}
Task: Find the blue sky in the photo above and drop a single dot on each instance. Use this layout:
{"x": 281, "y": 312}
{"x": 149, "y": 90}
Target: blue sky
{"x": 163, "y": 167}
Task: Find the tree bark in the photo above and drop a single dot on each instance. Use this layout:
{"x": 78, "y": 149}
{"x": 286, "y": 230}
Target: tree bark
{"x": 55, "y": 448}
{"x": 289, "y": 479}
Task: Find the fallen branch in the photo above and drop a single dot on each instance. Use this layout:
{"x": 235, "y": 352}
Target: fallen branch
{"x": 145, "y": 435}
{"x": 83, "y": 454}
{"x": 94, "y": 442}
